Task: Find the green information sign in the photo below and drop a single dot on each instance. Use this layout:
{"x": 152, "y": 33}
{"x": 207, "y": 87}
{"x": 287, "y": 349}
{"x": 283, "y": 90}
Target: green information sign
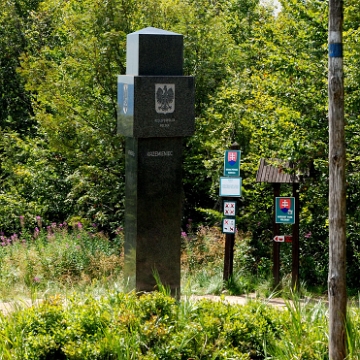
{"x": 232, "y": 163}
{"x": 285, "y": 210}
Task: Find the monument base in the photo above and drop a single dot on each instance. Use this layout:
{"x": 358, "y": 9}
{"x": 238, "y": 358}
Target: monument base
{"x": 154, "y": 200}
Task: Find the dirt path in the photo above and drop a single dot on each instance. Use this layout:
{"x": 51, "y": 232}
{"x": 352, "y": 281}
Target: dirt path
{"x": 241, "y": 300}
{"x": 6, "y": 307}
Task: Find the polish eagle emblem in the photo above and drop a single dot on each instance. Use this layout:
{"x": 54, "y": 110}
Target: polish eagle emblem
{"x": 164, "y": 98}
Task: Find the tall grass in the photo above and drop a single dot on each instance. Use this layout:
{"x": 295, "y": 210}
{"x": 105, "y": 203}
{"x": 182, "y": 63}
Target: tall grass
{"x": 304, "y": 335}
{"x": 202, "y": 264}
{"x": 57, "y": 259}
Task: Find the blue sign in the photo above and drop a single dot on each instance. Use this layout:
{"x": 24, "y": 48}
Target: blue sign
{"x": 285, "y": 210}
{"x": 232, "y": 163}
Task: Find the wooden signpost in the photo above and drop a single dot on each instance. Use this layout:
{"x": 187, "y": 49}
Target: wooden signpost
{"x": 230, "y": 190}
{"x": 286, "y": 211}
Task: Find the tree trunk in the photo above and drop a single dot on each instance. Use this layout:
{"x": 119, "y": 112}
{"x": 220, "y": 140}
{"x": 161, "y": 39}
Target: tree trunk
{"x": 337, "y": 192}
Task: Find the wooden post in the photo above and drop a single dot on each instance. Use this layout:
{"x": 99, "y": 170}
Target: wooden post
{"x": 229, "y": 242}
{"x": 295, "y": 283}
{"x": 337, "y": 192}
{"x": 229, "y": 256}
{"x": 276, "y": 245}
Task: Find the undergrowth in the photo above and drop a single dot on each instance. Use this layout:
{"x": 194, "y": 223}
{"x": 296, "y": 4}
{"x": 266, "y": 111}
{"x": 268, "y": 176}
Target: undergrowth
{"x": 83, "y": 312}
{"x": 57, "y": 259}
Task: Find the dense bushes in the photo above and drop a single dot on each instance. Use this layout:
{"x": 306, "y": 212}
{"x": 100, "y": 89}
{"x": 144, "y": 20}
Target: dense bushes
{"x": 154, "y": 326}
{"x": 150, "y": 326}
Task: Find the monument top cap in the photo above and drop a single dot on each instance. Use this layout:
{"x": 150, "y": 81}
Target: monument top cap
{"x": 153, "y": 31}
{"x": 153, "y": 51}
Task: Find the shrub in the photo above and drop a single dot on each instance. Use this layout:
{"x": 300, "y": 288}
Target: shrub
{"x": 128, "y": 326}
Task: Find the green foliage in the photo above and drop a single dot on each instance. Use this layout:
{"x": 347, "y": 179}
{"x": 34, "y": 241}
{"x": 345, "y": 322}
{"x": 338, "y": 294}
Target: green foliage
{"x": 305, "y": 335}
{"x": 15, "y": 102}
{"x": 125, "y": 326}
{"x": 155, "y": 326}
{"x": 34, "y": 183}
{"x": 261, "y": 80}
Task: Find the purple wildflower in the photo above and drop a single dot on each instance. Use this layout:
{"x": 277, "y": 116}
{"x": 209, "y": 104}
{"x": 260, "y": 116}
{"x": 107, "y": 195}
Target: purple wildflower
{"x": 38, "y": 220}
{"x": 36, "y": 232}
{"x": 119, "y": 230}
{"x": 14, "y": 237}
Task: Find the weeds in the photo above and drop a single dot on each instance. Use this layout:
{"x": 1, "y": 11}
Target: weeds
{"x": 55, "y": 259}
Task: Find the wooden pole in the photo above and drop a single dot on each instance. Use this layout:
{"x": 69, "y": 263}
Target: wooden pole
{"x": 337, "y": 192}
{"x": 229, "y": 241}
{"x": 229, "y": 256}
{"x": 276, "y": 245}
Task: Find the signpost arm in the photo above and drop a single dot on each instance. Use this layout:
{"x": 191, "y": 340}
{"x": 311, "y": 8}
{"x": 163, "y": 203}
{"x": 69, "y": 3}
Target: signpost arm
{"x": 276, "y": 245}
{"x": 295, "y": 284}
{"x": 229, "y": 243}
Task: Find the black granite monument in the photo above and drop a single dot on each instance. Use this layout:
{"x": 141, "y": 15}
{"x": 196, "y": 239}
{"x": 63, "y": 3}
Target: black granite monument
{"x": 156, "y": 110}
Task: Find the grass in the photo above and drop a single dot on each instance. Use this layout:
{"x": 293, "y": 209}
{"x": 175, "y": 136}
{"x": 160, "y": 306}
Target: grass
{"x": 61, "y": 259}
{"x": 77, "y": 273}
{"x": 57, "y": 260}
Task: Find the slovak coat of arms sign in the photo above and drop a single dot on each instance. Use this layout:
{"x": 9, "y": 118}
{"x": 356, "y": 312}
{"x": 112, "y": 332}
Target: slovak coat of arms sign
{"x": 165, "y": 98}
{"x": 232, "y": 157}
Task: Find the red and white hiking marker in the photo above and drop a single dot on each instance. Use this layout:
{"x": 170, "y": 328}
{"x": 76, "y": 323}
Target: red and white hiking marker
{"x": 283, "y": 238}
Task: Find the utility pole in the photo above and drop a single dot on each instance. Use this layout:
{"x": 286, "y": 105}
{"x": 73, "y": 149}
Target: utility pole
{"x": 337, "y": 191}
